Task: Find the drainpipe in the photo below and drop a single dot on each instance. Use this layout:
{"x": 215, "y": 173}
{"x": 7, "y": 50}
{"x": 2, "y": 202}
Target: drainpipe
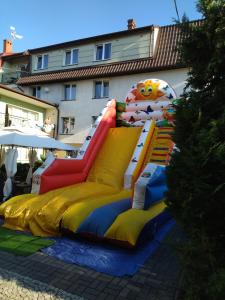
{"x": 56, "y": 130}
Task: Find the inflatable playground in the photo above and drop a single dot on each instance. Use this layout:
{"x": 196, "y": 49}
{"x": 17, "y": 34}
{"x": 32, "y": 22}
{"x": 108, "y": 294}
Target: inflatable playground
{"x": 114, "y": 190}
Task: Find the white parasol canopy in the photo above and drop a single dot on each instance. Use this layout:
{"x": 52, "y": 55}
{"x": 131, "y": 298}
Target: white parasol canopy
{"x": 11, "y": 169}
{"x": 32, "y": 156}
{"x": 15, "y": 138}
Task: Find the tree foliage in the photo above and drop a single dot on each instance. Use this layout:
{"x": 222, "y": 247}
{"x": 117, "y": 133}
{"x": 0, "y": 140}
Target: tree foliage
{"x": 196, "y": 175}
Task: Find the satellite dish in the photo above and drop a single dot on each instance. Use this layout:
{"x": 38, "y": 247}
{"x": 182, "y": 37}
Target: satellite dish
{"x": 13, "y": 33}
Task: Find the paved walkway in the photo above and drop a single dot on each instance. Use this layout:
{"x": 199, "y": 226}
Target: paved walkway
{"x": 42, "y": 277}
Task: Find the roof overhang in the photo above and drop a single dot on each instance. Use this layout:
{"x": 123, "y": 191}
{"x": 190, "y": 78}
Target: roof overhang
{"x": 7, "y": 92}
{"x": 12, "y": 56}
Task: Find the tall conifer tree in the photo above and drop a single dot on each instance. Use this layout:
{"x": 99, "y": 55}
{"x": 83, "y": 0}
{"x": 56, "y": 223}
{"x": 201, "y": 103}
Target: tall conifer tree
{"x": 196, "y": 175}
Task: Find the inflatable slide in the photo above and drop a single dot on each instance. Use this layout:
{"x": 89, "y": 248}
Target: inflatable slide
{"x": 107, "y": 192}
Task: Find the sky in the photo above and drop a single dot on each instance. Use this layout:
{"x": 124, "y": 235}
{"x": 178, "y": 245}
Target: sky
{"x": 47, "y": 22}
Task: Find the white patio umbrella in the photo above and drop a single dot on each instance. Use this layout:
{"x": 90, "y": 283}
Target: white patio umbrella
{"x": 10, "y": 138}
{"x": 33, "y": 131}
{"x": 11, "y": 169}
{"x": 32, "y": 156}
{"x": 16, "y": 138}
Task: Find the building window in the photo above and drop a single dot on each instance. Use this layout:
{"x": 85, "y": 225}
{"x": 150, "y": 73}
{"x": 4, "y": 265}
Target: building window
{"x": 93, "y": 119}
{"x": 22, "y": 117}
{"x": 103, "y": 51}
{"x": 68, "y": 125}
{"x": 101, "y": 89}
{"x": 36, "y": 91}
{"x": 71, "y": 57}
{"x": 70, "y": 92}
{"x": 42, "y": 61}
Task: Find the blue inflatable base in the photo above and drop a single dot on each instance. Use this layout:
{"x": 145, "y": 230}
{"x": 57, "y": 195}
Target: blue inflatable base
{"x": 107, "y": 258}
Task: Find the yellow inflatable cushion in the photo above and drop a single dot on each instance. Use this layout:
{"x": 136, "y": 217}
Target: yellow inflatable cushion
{"x": 78, "y": 212}
{"x": 41, "y": 214}
{"x": 128, "y": 225}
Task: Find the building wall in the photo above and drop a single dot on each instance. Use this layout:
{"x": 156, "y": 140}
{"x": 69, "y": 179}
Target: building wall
{"x": 126, "y": 48}
{"x": 21, "y": 104}
{"x": 85, "y": 106}
{"x": 16, "y": 118}
{"x": 49, "y": 114}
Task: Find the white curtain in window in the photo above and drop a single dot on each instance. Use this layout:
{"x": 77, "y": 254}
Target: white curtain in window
{"x": 107, "y": 51}
{"x": 68, "y": 58}
{"x": 99, "y": 52}
{"x": 39, "y": 62}
{"x": 75, "y": 56}
{"x": 32, "y": 156}
{"x": 105, "y": 89}
{"x": 45, "y": 64}
{"x": 11, "y": 169}
{"x": 98, "y": 89}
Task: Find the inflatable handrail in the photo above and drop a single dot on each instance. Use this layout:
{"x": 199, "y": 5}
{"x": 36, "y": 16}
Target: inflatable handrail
{"x": 64, "y": 172}
{"x": 70, "y": 166}
{"x": 138, "y": 157}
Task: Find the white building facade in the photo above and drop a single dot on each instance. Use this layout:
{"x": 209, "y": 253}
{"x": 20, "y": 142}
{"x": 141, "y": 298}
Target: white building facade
{"x": 82, "y": 75}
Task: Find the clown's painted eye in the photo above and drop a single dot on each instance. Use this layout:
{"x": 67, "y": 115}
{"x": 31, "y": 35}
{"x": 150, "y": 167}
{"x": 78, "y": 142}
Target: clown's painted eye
{"x": 142, "y": 90}
{"x": 149, "y": 89}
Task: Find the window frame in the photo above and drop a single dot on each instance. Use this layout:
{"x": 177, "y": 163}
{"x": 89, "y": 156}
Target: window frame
{"x": 93, "y": 120}
{"x": 69, "y": 129}
{"x": 71, "y": 57}
{"x": 103, "y": 51}
{"x": 70, "y": 92}
{"x": 37, "y": 89}
{"x": 42, "y": 67}
{"x": 102, "y": 95}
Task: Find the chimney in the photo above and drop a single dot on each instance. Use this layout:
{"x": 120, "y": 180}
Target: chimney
{"x": 7, "y": 46}
{"x": 131, "y": 24}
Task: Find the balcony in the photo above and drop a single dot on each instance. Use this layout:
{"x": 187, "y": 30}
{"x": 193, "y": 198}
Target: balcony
{"x": 26, "y": 125}
{"x": 10, "y": 120}
{"x": 12, "y": 77}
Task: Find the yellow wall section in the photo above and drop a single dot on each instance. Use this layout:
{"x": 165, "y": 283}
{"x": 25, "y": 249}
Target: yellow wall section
{"x": 143, "y": 153}
{"x": 151, "y": 145}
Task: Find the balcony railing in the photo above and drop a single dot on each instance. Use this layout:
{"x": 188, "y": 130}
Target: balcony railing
{"x": 10, "y": 120}
{"x": 12, "y": 77}
{"x": 7, "y": 120}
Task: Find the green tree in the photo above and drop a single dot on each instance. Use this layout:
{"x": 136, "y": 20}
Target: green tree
{"x": 196, "y": 175}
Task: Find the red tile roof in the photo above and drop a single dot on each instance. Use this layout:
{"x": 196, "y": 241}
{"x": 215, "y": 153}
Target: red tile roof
{"x": 165, "y": 58}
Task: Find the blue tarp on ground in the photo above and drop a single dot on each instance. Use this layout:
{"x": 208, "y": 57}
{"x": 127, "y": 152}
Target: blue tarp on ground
{"x": 106, "y": 258}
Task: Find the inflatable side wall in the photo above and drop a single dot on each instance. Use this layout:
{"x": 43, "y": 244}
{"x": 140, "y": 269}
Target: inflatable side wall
{"x": 138, "y": 156}
{"x": 64, "y": 172}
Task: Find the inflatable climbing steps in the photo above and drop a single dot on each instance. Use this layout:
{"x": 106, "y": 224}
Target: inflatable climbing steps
{"x": 162, "y": 146}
